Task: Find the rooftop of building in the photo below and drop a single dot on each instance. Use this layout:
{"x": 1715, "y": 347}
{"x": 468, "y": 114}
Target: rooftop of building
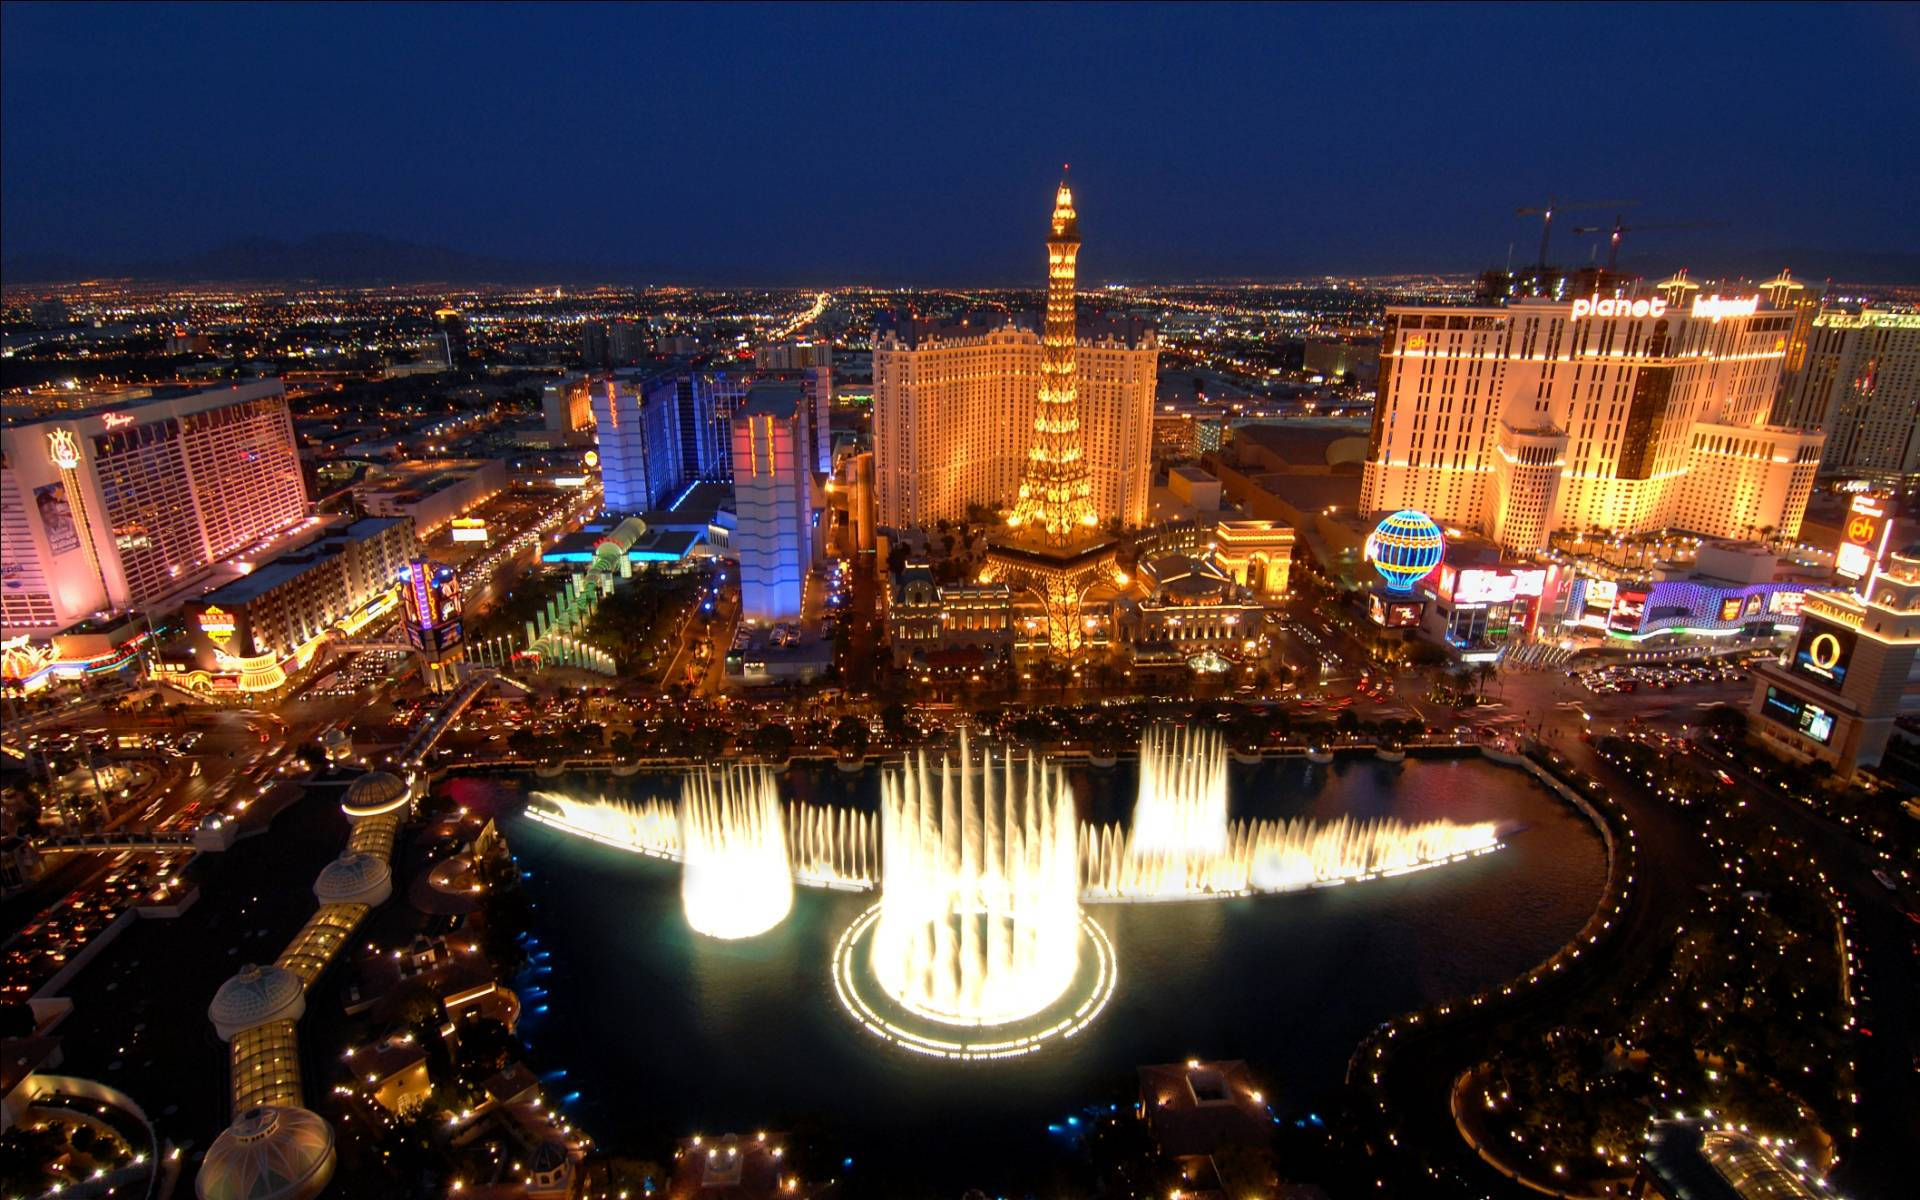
{"x": 919, "y": 570}
{"x": 1290, "y": 445}
{"x": 295, "y": 562}
{"x": 656, "y": 544}
{"x": 268, "y": 1153}
{"x": 912, "y": 331}
{"x": 731, "y": 1166}
{"x": 783, "y": 641}
{"x": 1199, "y": 1107}
{"x": 1179, "y": 579}
{"x": 1689, "y": 1161}
{"x": 425, "y": 477}
{"x": 781, "y": 400}
{"x": 52, "y": 404}
{"x": 21, "y": 1057}
{"x": 1308, "y": 495}
{"x": 705, "y": 494}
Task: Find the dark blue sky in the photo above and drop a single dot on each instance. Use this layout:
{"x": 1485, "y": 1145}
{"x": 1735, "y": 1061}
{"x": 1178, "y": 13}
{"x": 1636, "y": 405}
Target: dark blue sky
{"x": 907, "y": 143}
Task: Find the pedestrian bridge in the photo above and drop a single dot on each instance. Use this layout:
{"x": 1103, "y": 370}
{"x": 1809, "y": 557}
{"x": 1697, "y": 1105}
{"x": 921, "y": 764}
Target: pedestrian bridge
{"x": 214, "y": 833}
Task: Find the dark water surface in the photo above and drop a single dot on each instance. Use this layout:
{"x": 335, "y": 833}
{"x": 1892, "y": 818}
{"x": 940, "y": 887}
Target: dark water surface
{"x": 665, "y": 1033}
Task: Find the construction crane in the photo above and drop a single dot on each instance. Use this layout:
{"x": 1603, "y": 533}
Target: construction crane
{"x": 1619, "y": 231}
{"x": 1554, "y": 206}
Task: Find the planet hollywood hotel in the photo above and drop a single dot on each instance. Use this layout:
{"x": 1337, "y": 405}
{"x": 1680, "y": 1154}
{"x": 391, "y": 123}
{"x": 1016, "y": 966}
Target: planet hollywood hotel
{"x": 1628, "y": 414}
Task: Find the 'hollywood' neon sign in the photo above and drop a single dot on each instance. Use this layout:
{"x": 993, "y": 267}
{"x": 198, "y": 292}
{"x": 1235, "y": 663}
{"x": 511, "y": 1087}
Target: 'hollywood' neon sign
{"x": 1715, "y": 307}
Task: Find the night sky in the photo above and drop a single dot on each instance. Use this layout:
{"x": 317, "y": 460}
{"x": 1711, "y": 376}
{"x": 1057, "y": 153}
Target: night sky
{"x": 906, "y": 143}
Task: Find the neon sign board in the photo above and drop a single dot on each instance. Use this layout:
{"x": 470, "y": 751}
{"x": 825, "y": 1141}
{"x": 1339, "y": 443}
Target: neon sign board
{"x": 1716, "y": 307}
{"x": 116, "y": 420}
{"x": 217, "y": 624}
{"x": 1863, "y": 539}
{"x": 422, "y": 591}
{"x": 64, "y": 449}
{"x": 1824, "y": 652}
{"x": 1594, "y": 306}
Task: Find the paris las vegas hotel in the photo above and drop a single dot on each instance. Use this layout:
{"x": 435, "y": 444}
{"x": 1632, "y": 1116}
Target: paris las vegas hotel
{"x": 1630, "y": 413}
{"x": 953, "y": 409}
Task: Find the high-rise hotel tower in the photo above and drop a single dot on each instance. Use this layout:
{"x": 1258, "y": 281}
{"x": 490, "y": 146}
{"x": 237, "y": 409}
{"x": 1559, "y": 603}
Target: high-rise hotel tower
{"x": 1861, "y": 384}
{"x": 955, "y": 405}
{"x": 116, "y": 506}
{"x": 1628, "y": 414}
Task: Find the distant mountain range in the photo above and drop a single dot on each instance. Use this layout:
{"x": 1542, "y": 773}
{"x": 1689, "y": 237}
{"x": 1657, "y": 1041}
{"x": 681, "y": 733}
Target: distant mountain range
{"x": 368, "y": 259}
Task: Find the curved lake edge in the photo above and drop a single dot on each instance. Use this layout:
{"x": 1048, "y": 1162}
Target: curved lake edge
{"x": 606, "y": 1115}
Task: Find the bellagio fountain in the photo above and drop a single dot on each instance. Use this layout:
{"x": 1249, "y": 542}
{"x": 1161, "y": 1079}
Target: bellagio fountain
{"x": 978, "y": 945}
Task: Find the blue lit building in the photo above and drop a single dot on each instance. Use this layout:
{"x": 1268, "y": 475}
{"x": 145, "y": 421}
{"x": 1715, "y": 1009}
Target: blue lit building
{"x": 637, "y": 418}
{"x": 660, "y": 430}
{"x": 772, "y": 489}
{"x": 711, "y": 398}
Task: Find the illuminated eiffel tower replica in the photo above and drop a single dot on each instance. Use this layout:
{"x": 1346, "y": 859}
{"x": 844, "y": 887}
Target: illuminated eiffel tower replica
{"x": 1053, "y": 545}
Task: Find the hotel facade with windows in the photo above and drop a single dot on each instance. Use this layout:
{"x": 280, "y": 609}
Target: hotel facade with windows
{"x": 953, "y": 411}
{"x": 117, "y": 507}
{"x": 1626, "y": 415}
{"x": 1860, "y": 382}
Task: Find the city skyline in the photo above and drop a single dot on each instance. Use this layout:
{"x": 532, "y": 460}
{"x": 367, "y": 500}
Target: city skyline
{"x": 533, "y": 701}
{"x": 1227, "y": 143}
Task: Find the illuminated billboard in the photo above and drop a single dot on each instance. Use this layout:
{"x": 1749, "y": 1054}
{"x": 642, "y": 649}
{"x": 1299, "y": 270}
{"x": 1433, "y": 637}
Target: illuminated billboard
{"x": 1479, "y": 586}
{"x": 1491, "y": 585}
{"x": 1800, "y": 715}
{"x": 56, "y": 517}
{"x": 217, "y": 624}
{"x": 1393, "y": 614}
{"x": 1863, "y": 537}
{"x": 469, "y": 529}
{"x": 431, "y": 598}
{"x": 1629, "y": 609}
{"x": 1824, "y": 652}
{"x": 1701, "y": 607}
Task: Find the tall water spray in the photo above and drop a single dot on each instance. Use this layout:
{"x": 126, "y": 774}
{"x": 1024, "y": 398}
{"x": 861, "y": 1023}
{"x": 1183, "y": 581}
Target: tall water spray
{"x": 1182, "y": 845}
{"x": 736, "y": 882}
{"x": 832, "y": 847}
{"x": 979, "y": 916}
{"x": 649, "y": 827}
{"x": 1181, "y": 807}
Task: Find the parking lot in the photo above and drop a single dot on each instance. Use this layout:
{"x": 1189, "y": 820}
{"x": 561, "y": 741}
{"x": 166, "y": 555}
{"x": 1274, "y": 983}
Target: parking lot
{"x": 1662, "y": 676}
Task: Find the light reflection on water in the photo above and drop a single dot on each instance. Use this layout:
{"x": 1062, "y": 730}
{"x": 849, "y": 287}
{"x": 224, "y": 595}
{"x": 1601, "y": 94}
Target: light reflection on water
{"x": 667, "y": 1033}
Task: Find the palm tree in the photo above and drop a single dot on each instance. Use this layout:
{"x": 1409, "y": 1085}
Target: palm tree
{"x": 1483, "y": 673}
